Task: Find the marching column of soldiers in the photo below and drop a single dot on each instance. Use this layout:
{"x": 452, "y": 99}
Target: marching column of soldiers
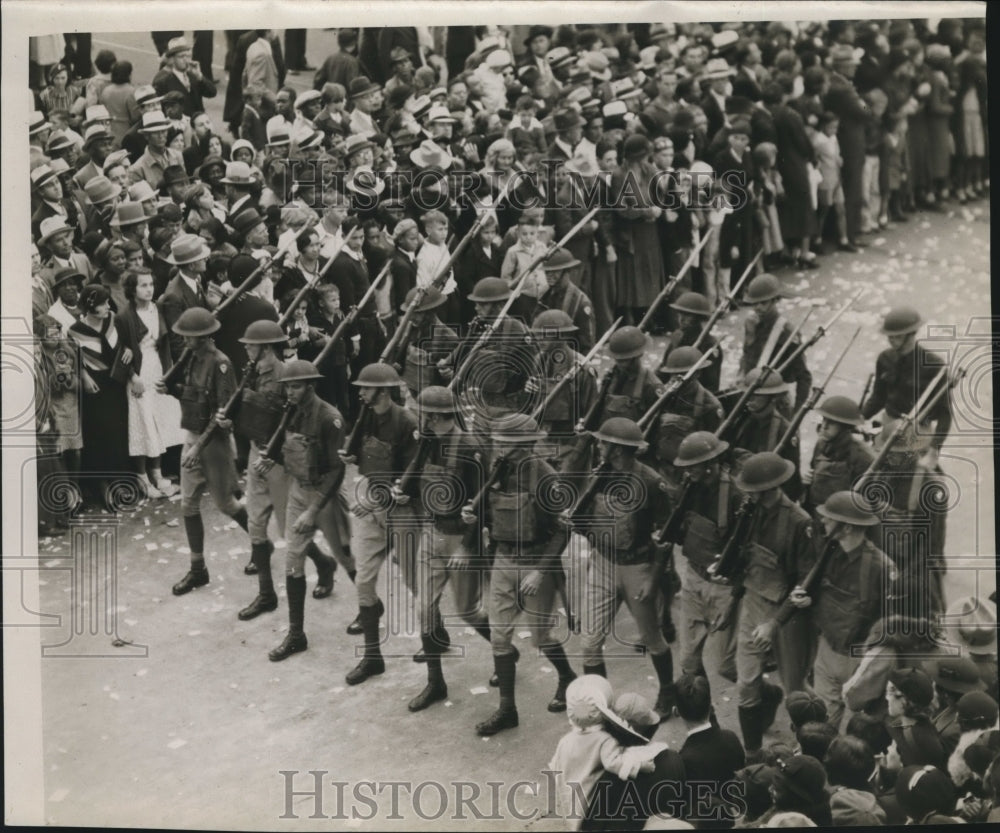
{"x": 480, "y": 456}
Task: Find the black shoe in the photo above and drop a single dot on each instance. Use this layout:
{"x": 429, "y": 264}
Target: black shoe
{"x": 251, "y": 569}
{"x": 558, "y": 702}
{"x": 368, "y": 667}
{"x": 803, "y": 263}
{"x": 262, "y": 604}
{"x": 494, "y": 679}
{"x": 770, "y": 700}
{"x": 498, "y": 721}
{"x": 665, "y": 702}
{"x": 847, "y": 247}
{"x": 193, "y": 579}
{"x": 324, "y": 580}
{"x": 355, "y": 629}
{"x": 432, "y": 693}
{"x": 291, "y": 644}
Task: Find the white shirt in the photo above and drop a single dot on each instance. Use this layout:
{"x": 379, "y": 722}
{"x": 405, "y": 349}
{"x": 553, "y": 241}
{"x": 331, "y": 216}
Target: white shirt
{"x": 59, "y": 312}
{"x": 192, "y": 283}
{"x": 701, "y": 727}
{"x": 329, "y": 241}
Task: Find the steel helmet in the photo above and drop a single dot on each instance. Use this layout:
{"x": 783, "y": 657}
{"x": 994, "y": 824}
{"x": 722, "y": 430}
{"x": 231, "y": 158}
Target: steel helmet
{"x": 762, "y": 288}
{"x": 681, "y": 360}
{"x": 841, "y": 409}
{"x": 488, "y": 290}
{"x": 433, "y": 298}
{"x": 516, "y": 428}
{"x": 627, "y": 343}
{"x": 299, "y": 370}
{"x": 196, "y": 321}
{"x": 561, "y": 259}
{"x": 620, "y": 431}
{"x": 694, "y": 303}
{"x": 772, "y": 385}
{"x": 849, "y": 508}
{"x": 699, "y": 447}
{"x": 436, "y": 399}
{"x": 901, "y": 320}
{"x": 378, "y": 375}
{"x": 264, "y": 332}
{"x": 553, "y": 322}
{"x": 764, "y": 471}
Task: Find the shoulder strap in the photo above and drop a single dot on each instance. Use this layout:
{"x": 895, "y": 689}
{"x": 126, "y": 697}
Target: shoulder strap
{"x": 772, "y": 341}
{"x": 773, "y": 428}
{"x": 722, "y": 510}
{"x": 868, "y": 563}
{"x": 640, "y": 377}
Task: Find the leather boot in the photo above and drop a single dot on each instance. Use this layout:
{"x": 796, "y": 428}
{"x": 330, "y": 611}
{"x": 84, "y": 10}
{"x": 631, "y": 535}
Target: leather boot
{"x": 557, "y": 656}
{"x": 753, "y": 733}
{"x": 355, "y": 628}
{"x": 267, "y": 599}
{"x": 435, "y": 689}
{"x": 295, "y": 640}
{"x": 192, "y": 579}
{"x": 770, "y": 699}
{"x": 504, "y": 717}
{"x": 666, "y": 697}
{"x": 599, "y": 669}
{"x": 495, "y": 678}
{"x": 372, "y": 663}
{"x": 326, "y": 566}
{"x": 194, "y": 529}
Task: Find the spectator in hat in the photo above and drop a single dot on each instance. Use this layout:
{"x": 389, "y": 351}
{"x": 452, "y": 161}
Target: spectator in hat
{"x": 489, "y": 80}
{"x": 849, "y": 762}
{"x": 953, "y": 677}
{"x": 972, "y": 624}
{"x": 98, "y": 142}
{"x": 366, "y": 98}
{"x": 843, "y": 100}
{"x": 190, "y": 255}
{"x": 909, "y": 694}
{"x": 157, "y": 157}
{"x": 977, "y": 714}
{"x": 926, "y": 795}
{"x": 402, "y": 70}
{"x": 48, "y": 199}
{"x": 250, "y": 306}
{"x": 719, "y": 76}
{"x": 805, "y": 707}
{"x": 183, "y": 75}
{"x": 799, "y": 786}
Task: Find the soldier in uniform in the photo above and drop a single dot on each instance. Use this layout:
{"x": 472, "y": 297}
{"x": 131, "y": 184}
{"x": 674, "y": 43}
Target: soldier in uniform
{"x": 385, "y": 446}
{"x": 693, "y": 312}
{"x": 776, "y": 556}
{"x": 839, "y": 457}
{"x": 309, "y": 450}
{"x": 913, "y": 527}
{"x": 714, "y": 501}
{"x": 764, "y": 424}
{"x": 451, "y": 471}
{"x": 207, "y": 384}
{"x": 849, "y": 598}
{"x": 692, "y": 408}
{"x": 629, "y": 504}
{"x": 766, "y": 335}
{"x": 522, "y": 531}
{"x": 503, "y": 364}
{"x": 566, "y": 296}
{"x": 428, "y": 341}
{"x": 555, "y": 335}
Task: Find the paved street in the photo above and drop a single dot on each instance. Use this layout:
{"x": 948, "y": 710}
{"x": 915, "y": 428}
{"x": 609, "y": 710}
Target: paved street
{"x": 194, "y": 729}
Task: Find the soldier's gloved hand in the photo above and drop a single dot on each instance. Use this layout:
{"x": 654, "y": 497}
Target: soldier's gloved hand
{"x": 659, "y": 542}
{"x": 398, "y": 495}
{"x": 263, "y": 465}
{"x": 762, "y": 635}
{"x": 347, "y": 458}
{"x": 799, "y": 598}
{"x": 468, "y": 516}
{"x": 712, "y": 571}
{"x": 305, "y": 522}
{"x": 531, "y": 582}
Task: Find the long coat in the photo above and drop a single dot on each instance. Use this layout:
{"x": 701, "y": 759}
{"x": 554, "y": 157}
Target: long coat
{"x": 795, "y": 152}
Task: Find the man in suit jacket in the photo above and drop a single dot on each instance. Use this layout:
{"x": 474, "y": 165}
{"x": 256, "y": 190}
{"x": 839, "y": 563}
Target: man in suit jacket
{"x": 709, "y": 753}
{"x": 249, "y": 307}
{"x": 189, "y": 253}
{"x": 182, "y": 75}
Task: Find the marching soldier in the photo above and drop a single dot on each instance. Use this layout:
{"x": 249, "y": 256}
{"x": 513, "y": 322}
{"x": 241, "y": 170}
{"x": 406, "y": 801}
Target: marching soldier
{"x": 692, "y": 408}
{"x": 776, "y": 557}
{"x": 839, "y": 457}
{"x": 554, "y": 333}
{"x": 902, "y": 374}
{"x": 566, "y": 296}
{"x": 451, "y": 471}
{"x": 693, "y": 311}
{"x": 766, "y": 334}
{"x": 522, "y": 531}
{"x": 430, "y": 340}
{"x": 309, "y": 450}
{"x": 764, "y": 423}
{"x": 208, "y": 383}
{"x": 503, "y": 364}
{"x": 849, "y": 599}
{"x": 384, "y": 446}
{"x": 714, "y": 501}
{"x": 629, "y": 503}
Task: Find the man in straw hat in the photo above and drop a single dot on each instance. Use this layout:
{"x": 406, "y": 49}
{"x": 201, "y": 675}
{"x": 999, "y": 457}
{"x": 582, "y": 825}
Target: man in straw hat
{"x": 189, "y": 253}
{"x": 204, "y": 387}
{"x": 181, "y": 74}
{"x": 157, "y": 157}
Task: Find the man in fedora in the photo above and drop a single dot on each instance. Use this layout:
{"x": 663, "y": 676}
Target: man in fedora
{"x": 147, "y": 100}
{"x": 47, "y": 193}
{"x": 97, "y": 143}
{"x": 240, "y": 187}
{"x": 101, "y": 198}
{"x": 953, "y": 677}
{"x": 39, "y": 129}
{"x": 130, "y": 223}
{"x": 189, "y": 253}
{"x": 55, "y": 239}
{"x": 181, "y": 74}
{"x": 842, "y": 99}
{"x": 971, "y": 622}
{"x": 175, "y": 184}
{"x": 569, "y": 131}
{"x": 66, "y": 285}
{"x": 157, "y": 157}
{"x": 719, "y": 75}
{"x": 538, "y": 43}
{"x": 365, "y": 97}
{"x": 401, "y": 64}
{"x": 250, "y": 231}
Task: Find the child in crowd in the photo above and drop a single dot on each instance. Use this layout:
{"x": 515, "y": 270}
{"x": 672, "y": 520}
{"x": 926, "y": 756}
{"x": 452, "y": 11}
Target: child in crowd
{"x": 770, "y": 191}
{"x": 831, "y": 192}
{"x": 526, "y": 130}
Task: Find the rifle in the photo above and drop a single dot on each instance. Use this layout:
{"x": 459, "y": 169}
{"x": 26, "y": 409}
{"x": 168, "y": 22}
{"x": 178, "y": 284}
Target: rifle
{"x": 175, "y": 369}
{"x": 194, "y": 452}
{"x": 349, "y": 319}
{"x": 648, "y": 419}
{"x": 498, "y": 471}
{"x": 726, "y": 302}
{"x": 775, "y": 358}
{"x": 864, "y": 393}
{"x": 671, "y": 284}
{"x": 820, "y": 332}
{"x": 286, "y": 316}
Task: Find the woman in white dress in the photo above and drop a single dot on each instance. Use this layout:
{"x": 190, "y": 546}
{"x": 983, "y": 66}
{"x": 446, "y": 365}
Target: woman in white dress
{"x": 154, "y": 419}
